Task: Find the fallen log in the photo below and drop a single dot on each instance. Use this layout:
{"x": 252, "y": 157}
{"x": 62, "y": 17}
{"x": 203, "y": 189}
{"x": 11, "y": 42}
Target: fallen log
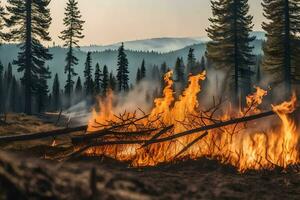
{"x": 41, "y": 135}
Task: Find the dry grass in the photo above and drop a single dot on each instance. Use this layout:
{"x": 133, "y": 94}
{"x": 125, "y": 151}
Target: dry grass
{"x": 21, "y": 123}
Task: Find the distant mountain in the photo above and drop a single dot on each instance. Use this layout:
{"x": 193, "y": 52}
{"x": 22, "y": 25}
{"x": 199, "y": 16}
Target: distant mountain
{"x": 161, "y": 45}
{"x": 9, "y": 52}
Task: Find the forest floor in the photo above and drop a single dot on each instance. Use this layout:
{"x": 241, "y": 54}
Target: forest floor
{"x": 200, "y": 179}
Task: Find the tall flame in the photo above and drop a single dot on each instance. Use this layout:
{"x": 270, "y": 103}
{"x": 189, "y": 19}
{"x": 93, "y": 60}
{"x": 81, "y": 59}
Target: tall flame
{"x": 255, "y": 145}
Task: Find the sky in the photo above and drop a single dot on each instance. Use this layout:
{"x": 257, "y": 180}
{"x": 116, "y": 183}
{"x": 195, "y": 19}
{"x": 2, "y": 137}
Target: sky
{"x": 111, "y": 21}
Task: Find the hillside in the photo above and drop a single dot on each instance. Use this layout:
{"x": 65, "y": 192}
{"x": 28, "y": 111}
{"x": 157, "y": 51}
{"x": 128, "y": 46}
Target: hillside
{"x": 161, "y": 45}
{"x": 9, "y": 52}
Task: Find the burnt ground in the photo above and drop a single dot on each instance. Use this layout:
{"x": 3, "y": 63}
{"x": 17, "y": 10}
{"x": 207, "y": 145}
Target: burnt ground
{"x": 26, "y": 174}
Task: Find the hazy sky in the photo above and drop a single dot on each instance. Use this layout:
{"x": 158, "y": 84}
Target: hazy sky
{"x": 109, "y": 21}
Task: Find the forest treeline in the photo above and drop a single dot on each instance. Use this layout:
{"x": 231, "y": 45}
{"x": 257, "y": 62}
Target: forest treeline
{"x": 229, "y": 52}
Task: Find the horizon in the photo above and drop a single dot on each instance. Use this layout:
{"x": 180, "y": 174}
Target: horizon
{"x": 142, "y": 19}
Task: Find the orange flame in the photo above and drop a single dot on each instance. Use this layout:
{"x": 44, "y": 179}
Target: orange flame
{"x": 255, "y": 145}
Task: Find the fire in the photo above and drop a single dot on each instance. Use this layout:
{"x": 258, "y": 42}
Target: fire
{"x": 255, "y": 145}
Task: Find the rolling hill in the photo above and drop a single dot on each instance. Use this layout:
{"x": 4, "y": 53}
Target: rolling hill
{"x": 8, "y": 52}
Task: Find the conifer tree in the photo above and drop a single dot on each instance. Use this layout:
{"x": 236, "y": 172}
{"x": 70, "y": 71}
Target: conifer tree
{"x": 105, "y": 81}
{"x": 42, "y": 91}
{"x": 122, "y": 75}
{"x": 88, "y": 83}
{"x": 281, "y": 49}
{"x": 138, "y": 76}
{"x": 78, "y": 87}
{"x": 143, "y": 70}
{"x": 112, "y": 82}
{"x": 191, "y": 62}
{"x": 29, "y": 21}
{"x": 230, "y": 49}
{"x": 56, "y": 98}
{"x": 71, "y": 36}
{"x": 78, "y": 90}
{"x": 98, "y": 81}
{"x": 179, "y": 71}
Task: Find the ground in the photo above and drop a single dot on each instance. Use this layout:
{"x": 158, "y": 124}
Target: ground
{"x": 201, "y": 179}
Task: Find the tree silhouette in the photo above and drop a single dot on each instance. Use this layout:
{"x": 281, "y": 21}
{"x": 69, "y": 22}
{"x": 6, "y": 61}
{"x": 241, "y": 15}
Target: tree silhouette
{"x": 56, "y": 93}
{"x": 98, "y": 81}
{"x": 88, "y": 83}
{"x": 122, "y": 75}
{"x": 71, "y": 36}
{"x": 281, "y": 49}
{"x": 29, "y": 21}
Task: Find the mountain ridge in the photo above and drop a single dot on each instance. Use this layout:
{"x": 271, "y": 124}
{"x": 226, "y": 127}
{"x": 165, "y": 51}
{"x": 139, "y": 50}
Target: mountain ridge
{"x": 160, "y": 45}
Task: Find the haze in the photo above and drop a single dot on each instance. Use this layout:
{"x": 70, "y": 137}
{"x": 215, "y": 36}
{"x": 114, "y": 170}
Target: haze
{"x": 110, "y": 21}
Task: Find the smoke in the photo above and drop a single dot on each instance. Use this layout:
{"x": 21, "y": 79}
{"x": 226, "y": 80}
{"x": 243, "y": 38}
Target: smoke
{"x": 213, "y": 88}
{"x": 139, "y": 98}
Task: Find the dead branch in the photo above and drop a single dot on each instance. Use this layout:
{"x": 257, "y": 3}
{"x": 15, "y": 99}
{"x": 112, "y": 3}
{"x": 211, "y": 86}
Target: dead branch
{"x": 179, "y": 135}
{"x": 99, "y": 134}
{"x": 160, "y": 133}
{"x": 191, "y": 144}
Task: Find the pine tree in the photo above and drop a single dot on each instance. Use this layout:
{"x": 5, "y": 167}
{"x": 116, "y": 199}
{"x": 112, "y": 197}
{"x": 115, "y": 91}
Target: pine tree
{"x": 179, "y": 71}
{"x": 143, "y": 70}
{"x": 112, "y": 82}
{"x": 56, "y": 99}
{"x": 281, "y": 50}
{"x": 105, "y": 81}
{"x": 78, "y": 87}
{"x": 29, "y": 21}
{"x": 138, "y": 76}
{"x": 88, "y": 83}
{"x": 191, "y": 62}
{"x": 42, "y": 91}
{"x": 98, "y": 81}
{"x": 230, "y": 49}
{"x": 71, "y": 36}
{"x": 78, "y": 90}
{"x": 122, "y": 75}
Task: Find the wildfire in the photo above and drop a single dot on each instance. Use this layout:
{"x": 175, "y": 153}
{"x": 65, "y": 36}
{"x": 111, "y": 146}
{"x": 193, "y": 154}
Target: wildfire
{"x": 255, "y": 145}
